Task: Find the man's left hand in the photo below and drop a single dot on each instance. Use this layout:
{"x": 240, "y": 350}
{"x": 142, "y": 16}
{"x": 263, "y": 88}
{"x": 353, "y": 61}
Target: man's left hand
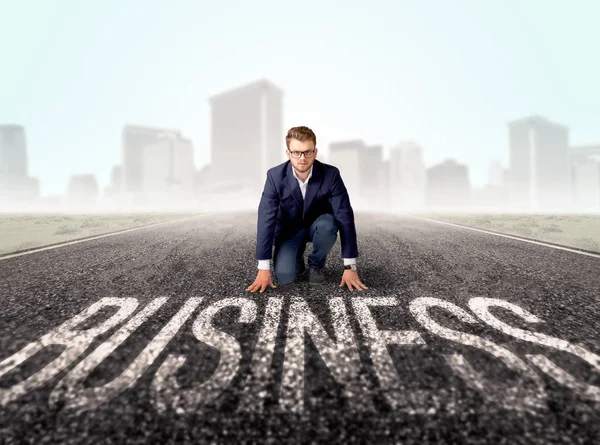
{"x": 350, "y": 279}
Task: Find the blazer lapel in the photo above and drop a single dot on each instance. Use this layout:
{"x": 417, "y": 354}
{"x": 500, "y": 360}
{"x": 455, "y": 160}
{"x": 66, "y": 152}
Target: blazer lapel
{"x": 313, "y": 185}
{"x": 292, "y": 184}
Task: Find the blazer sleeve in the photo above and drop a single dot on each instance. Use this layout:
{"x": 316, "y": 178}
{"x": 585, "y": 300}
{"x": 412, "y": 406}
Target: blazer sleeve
{"x": 267, "y": 216}
{"x": 343, "y": 213}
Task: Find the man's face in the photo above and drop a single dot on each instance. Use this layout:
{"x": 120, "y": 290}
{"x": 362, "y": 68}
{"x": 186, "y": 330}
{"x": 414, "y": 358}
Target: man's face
{"x": 301, "y": 164}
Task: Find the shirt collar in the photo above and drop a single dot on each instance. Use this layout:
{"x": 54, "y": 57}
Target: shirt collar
{"x": 309, "y": 173}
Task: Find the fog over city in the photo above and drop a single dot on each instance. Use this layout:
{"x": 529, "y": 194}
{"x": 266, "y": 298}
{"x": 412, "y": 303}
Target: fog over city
{"x": 507, "y": 123}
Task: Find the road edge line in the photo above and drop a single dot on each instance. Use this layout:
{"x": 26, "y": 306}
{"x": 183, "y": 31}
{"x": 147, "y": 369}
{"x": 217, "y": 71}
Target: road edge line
{"x": 5, "y": 256}
{"x": 527, "y": 240}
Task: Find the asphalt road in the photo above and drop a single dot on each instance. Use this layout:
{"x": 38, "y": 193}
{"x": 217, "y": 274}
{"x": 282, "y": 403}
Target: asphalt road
{"x": 149, "y": 336}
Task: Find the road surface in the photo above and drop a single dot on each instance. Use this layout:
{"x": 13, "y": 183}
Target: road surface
{"x": 149, "y": 336}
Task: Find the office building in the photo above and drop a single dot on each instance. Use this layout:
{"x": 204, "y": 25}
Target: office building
{"x": 539, "y": 164}
{"x": 407, "y": 176}
{"x": 247, "y": 135}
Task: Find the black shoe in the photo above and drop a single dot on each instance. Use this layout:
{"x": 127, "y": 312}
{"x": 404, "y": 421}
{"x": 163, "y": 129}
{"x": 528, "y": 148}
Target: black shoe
{"x": 315, "y": 275}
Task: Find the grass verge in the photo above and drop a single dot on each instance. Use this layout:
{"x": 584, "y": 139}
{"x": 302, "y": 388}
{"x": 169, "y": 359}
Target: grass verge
{"x": 20, "y": 232}
{"x": 579, "y": 231}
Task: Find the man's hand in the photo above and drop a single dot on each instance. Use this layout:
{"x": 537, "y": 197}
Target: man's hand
{"x": 350, "y": 278}
{"x": 263, "y": 279}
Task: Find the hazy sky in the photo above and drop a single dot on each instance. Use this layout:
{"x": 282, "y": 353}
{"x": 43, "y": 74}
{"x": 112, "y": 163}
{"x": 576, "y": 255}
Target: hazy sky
{"x": 447, "y": 74}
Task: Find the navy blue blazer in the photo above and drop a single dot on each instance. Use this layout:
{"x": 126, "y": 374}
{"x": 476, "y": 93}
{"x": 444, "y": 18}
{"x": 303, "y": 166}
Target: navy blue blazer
{"x": 282, "y": 211}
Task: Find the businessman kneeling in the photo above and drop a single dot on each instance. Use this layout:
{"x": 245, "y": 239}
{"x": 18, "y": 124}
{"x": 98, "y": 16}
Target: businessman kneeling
{"x": 304, "y": 200}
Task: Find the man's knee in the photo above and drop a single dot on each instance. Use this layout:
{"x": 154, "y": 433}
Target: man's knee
{"x": 326, "y": 224}
{"x": 285, "y": 275}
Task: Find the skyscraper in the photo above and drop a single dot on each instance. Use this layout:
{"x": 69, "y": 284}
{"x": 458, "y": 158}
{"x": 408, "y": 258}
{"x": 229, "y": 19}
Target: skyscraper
{"x": 16, "y": 187}
{"x": 168, "y": 169}
{"x": 116, "y": 178}
{"x": 372, "y": 174}
{"x": 155, "y": 160}
{"x": 584, "y": 152}
{"x": 539, "y": 164}
{"x": 407, "y": 176}
{"x": 495, "y": 174}
{"x": 134, "y": 139}
{"x": 363, "y": 171}
{"x": 585, "y": 176}
{"x": 247, "y": 135}
{"x": 448, "y": 185}
{"x": 82, "y": 191}
{"x": 346, "y": 156}
{"x": 13, "y": 152}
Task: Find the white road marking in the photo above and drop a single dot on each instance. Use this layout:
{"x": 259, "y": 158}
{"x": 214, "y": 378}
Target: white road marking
{"x": 77, "y": 397}
{"x": 527, "y": 395}
{"x": 165, "y": 390}
{"x": 255, "y": 388}
{"x": 119, "y": 232}
{"x": 76, "y": 341}
{"x": 541, "y": 243}
{"x": 412, "y": 401}
{"x": 480, "y": 306}
{"x": 339, "y": 353}
{"x": 341, "y": 357}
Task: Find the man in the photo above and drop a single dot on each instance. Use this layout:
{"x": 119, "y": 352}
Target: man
{"x": 304, "y": 200}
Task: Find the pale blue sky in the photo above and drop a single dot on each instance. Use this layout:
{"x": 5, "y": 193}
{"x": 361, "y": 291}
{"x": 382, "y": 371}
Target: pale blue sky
{"x": 447, "y": 74}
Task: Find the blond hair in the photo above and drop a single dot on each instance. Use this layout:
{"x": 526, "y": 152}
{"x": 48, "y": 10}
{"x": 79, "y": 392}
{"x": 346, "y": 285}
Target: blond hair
{"x": 300, "y": 133}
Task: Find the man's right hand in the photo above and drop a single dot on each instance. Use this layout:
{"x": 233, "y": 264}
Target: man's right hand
{"x": 263, "y": 279}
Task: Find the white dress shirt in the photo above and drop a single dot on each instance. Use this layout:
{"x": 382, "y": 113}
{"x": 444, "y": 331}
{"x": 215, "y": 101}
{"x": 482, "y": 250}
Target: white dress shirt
{"x": 265, "y": 264}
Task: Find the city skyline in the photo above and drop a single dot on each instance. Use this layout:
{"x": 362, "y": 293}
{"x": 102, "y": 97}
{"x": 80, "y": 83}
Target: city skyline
{"x": 158, "y": 170}
{"x": 578, "y": 150}
{"x": 394, "y": 72}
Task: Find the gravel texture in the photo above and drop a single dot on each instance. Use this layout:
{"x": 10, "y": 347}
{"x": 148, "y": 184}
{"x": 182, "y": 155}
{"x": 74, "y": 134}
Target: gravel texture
{"x": 195, "y": 358}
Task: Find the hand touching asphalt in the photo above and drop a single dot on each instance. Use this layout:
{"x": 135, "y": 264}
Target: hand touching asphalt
{"x": 263, "y": 279}
{"x": 350, "y": 279}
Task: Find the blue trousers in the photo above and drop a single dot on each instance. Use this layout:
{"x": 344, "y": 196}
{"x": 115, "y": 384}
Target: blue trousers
{"x": 288, "y": 257}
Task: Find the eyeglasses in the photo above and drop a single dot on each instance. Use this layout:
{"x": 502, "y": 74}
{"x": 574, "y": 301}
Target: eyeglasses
{"x": 298, "y": 154}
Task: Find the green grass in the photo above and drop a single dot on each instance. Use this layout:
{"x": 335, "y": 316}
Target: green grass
{"x": 573, "y": 230}
{"x": 25, "y": 231}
